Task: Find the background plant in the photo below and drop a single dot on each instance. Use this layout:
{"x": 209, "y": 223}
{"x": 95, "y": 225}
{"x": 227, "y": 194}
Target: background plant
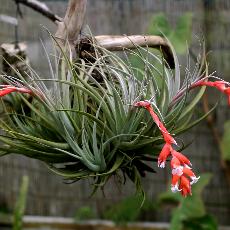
{"x": 128, "y": 210}
{"x": 84, "y": 213}
{"x": 180, "y": 35}
{"x": 225, "y": 142}
{"x": 190, "y": 213}
{"x": 20, "y": 205}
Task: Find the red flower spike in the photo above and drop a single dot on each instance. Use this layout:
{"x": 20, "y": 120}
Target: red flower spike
{"x": 185, "y": 186}
{"x": 7, "y": 89}
{"x": 175, "y": 180}
{"x": 144, "y": 104}
{"x": 227, "y": 92}
{"x": 183, "y": 159}
{"x": 179, "y": 163}
{"x": 220, "y": 85}
{"x": 178, "y": 171}
{"x": 165, "y": 152}
{"x": 175, "y": 183}
{"x": 188, "y": 172}
{"x": 202, "y": 83}
{"x": 154, "y": 116}
{"x": 167, "y": 137}
{"x": 147, "y": 105}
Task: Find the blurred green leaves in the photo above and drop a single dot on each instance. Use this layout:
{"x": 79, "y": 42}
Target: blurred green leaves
{"x": 190, "y": 211}
{"x": 84, "y": 213}
{"x": 225, "y": 142}
{"x": 180, "y": 36}
{"x": 128, "y": 210}
{"x": 20, "y": 205}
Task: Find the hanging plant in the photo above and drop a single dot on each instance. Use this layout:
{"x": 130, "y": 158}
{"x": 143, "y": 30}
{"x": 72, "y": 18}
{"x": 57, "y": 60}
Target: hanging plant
{"x": 82, "y": 127}
{"x": 101, "y": 116}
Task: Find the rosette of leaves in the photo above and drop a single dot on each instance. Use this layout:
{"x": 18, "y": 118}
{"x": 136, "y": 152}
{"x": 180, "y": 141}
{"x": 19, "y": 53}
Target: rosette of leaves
{"x": 84, "y": 125}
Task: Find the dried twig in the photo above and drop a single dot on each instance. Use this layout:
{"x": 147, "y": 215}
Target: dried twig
{"x": 116, "y": 43}
{"x": 71, "y": 26}
{"x": 41, "y": 8}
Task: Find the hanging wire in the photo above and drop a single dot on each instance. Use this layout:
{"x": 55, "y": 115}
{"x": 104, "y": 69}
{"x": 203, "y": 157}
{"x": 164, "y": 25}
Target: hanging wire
{"x": 18, "y": 14}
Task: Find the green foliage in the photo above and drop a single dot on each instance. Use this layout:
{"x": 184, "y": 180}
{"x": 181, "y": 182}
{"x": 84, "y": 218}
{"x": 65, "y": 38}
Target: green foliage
{"x": 21, "y": 204}
{"x": 4, "y": 209}
{"x": 128, "y": 210}
{"x": 84, "y": 213}
{"x": 206, "y": 222}
{"x": 190, "y": 211}
{"x": 225, "y": 142}
{"x": 180, "y": 36}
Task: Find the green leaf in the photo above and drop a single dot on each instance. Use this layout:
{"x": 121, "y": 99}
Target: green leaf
{"x": 159, "y": 24}
{"x": 84, "y": 213}
{"x": 127, "y": 210}
{"x": 225, "y": 142}
{"x": 206, "y": 222}
{"x": 180, "y": 37}
{"x": 21, "y": 205}
{"x": 191, "y": 206}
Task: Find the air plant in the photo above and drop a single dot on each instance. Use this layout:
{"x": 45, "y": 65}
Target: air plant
{"x": 88, "y": 124}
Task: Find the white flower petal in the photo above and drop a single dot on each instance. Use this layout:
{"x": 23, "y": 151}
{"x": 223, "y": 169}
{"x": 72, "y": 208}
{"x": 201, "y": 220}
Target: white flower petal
{"x": 175, "y": 188}
{"x": 194, "y": 179}
{"x": 161, "y": 165}
{"x": 186, "y": 166}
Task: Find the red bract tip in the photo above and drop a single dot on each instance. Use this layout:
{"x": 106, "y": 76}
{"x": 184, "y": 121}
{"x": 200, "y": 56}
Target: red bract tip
{"x": 175, "y": 181}
{"x": 166, "y": 150}
{"x": 144, "y": 104}
{"x": 227, "y": 92}
{"x": 185, "y": 186}
{"x": 220, "y": 85}
{"x": 183, "y": 159}
{"x": 7, "y": 89}
{"x": 188, "y": 172}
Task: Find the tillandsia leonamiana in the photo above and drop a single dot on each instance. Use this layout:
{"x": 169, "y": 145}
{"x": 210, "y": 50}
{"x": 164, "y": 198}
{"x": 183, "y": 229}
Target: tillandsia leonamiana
{"x": 86, "y": 124}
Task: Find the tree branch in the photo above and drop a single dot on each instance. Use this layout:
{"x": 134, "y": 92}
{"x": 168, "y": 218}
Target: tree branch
{"x": 116, "y": 43}
{"x": 71, "y": 26}
{"x": 41, "y": 8}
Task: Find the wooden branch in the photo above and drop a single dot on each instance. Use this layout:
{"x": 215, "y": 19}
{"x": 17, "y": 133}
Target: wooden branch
{"x": 71, "y": 26}
{"x": 116, "y": 43}
{"x": 41, "y": 8}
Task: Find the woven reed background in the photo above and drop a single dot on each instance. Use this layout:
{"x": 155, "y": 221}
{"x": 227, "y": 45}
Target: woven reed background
{"x": 47, "y": 194}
